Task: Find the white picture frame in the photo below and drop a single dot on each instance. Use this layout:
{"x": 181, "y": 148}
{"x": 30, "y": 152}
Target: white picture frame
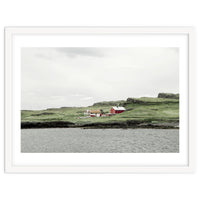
{"x": 13, "y": 74}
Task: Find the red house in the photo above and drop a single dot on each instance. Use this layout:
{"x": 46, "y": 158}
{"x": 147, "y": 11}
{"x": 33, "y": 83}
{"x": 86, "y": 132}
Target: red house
{"x": 116, "y": 110}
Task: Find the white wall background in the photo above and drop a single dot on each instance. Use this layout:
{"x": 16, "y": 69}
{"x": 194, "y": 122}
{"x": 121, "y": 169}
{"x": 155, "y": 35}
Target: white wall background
{"x": 96, "y": 13}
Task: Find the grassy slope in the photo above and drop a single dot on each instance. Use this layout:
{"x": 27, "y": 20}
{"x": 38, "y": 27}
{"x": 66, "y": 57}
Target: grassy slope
{"x": 148, "y": 109}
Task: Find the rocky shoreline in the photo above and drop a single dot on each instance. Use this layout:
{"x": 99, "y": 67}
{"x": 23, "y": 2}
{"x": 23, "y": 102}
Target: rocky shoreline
{"x": 98, "y": 125}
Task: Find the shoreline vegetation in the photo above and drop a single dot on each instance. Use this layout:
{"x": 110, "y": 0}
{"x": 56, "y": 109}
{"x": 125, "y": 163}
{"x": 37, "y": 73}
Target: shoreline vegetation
{"x": 145, "y": 112}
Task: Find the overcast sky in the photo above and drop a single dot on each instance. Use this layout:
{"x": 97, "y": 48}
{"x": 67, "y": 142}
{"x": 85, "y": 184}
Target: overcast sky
{"x": 59, "y": 77}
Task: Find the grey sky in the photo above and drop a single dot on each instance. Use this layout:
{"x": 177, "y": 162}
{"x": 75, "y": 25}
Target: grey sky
{"x": 58, "y": 77}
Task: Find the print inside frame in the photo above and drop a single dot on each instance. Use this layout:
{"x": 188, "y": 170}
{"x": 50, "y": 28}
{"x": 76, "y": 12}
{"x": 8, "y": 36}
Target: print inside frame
{"x": 86, "y": 71}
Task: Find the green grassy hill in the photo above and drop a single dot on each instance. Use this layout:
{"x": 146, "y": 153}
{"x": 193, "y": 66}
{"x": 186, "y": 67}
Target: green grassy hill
{"x": 145, "y": 109}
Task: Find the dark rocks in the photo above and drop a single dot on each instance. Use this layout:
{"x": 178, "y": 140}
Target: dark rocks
{"x": 131, "y": 124}
{"x": 168, "y": 95}
{"x": 54, "y": 124}
{"x": 109, "y": 103}
{"x": 133, "y": 100}
{"x": 97, "y": 125}
{"x": 159, "y": 126}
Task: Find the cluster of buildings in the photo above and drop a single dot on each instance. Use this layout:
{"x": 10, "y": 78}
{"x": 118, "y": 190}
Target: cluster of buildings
{"x": 93, "y": 113}
{"x": 99, "y": 113}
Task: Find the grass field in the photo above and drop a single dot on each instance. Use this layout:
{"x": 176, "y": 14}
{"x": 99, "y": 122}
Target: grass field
{"x": 145, "y": 109}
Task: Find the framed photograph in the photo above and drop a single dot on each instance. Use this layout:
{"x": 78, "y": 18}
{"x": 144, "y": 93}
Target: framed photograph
{"x": 99, "y": 100}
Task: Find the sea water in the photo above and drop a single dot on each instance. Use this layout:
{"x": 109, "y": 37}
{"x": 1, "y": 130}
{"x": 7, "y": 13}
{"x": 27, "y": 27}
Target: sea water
{"x": 77, "y": 140}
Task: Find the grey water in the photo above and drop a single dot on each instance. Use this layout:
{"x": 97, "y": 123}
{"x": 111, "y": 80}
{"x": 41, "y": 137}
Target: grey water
{"x": 76, "y": 140}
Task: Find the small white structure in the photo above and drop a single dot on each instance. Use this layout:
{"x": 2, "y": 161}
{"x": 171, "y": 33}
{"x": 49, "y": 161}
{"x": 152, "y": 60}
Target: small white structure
{"x": 87, "y": 112}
